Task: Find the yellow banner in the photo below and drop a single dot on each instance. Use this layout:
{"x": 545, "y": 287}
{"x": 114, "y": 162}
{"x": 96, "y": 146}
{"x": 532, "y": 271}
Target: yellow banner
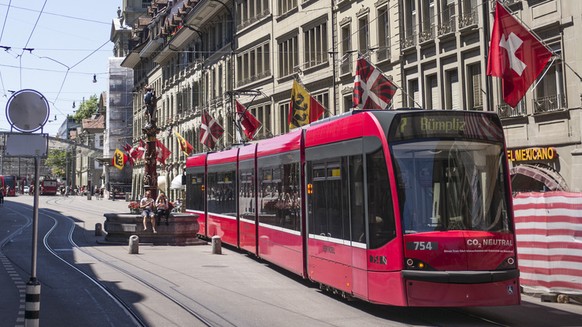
{"x": 118, "y": 159}
{"x": 299, "y": 106}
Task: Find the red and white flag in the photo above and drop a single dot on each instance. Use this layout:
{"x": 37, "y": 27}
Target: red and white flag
{"x": 210, "y": 130}
{"x": 135, "y": 153}
{"x": 127, "y": 148}
{"x": 248, "y": 121}
{"x": 372, "y": 90}
{"x": 162, "y": 153}
{"x": 515, "y": 55}
{"x": 140, "y": 150}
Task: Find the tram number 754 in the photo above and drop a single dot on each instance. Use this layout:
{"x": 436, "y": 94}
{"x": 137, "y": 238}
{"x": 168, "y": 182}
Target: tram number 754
{"x": 422, "y": 246}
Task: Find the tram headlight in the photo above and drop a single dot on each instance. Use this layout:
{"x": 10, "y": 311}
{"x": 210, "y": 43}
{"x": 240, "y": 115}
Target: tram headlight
{"x": 417, "y": 264}
{"x": 508, "y": 263}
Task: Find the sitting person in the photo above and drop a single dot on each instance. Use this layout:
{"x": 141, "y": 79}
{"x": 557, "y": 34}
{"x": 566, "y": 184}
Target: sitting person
{"x": 147, "y": 205}
{"x": 162, "y": 207}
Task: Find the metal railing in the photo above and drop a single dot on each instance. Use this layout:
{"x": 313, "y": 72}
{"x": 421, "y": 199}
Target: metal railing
{"x": 427, "y": 34}
{"x": 548, "y": 104}
{"x": 409, "y": 41}
{"x": 506, "y": 111}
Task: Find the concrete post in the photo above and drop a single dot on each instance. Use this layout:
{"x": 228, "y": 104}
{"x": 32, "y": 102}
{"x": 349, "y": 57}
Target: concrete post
{"x": 134, "y": 244}
{"x": 216, "y": 245}
{"x": 98, "y": 229}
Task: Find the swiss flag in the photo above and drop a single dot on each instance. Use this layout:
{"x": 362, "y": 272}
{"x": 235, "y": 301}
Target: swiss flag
{"x": 210, "y": 130}
{"x": 162, "y": 153}
{"x": 249, "y": 122}
{"x": 515, "y": 56}
{"x": 372, "y": 90}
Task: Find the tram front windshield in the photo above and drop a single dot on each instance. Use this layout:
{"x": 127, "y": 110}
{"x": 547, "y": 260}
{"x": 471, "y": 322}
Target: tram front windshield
{"x": 446, "y": 185}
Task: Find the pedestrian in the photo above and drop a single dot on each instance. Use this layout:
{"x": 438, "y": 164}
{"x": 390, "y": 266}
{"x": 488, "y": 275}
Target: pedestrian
{"x": 162, "y": 208}
{"x": 2, "y": 197}
{"x": 147, "y": 205}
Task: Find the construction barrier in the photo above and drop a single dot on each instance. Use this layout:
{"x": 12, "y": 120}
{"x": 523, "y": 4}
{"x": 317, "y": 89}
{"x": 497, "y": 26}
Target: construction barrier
{"x": 549, "y": 241}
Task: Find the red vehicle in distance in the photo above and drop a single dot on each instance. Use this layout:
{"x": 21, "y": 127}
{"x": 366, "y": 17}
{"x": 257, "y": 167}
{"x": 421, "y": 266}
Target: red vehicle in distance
{"x": 48, "y": 186}
{"x": 8, "y": 185}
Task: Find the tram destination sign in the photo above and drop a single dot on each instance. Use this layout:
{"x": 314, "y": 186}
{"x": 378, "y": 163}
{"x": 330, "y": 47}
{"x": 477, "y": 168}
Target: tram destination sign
{"x": 446, "y": 124}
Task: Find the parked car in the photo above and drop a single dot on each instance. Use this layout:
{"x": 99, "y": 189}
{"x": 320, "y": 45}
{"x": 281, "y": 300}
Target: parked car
{"x": 26, "y": 189}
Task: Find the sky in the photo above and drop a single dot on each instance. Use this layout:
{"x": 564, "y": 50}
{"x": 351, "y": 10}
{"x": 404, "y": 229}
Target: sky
{"x": 54, "y": 47}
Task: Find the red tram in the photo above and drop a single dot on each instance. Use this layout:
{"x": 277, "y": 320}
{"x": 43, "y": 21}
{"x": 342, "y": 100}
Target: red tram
{"x": 8, "y": 185}
{"x": 48, "y": 186}
{"x": 404, "y": 207}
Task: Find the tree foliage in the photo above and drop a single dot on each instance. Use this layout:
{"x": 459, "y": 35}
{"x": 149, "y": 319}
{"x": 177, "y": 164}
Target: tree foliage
{"x": 87, "y": 109}
{"x": 57, "y": 161}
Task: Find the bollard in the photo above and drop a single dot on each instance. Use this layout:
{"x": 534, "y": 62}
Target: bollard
{"x": 98, "y": 229}
{"x": 133, "y": 244}
{"x": 216, "y": 245}
{"x": 32, "y": 305}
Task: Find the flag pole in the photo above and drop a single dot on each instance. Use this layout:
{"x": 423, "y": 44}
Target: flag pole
{"x": 487, "y": 39}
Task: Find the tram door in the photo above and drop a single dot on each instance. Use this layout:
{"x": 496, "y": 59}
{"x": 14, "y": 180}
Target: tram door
{"x": 330, "y": 256}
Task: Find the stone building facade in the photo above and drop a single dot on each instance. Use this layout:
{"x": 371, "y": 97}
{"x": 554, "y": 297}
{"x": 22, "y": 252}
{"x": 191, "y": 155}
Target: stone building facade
{"x": 198, "y": 54}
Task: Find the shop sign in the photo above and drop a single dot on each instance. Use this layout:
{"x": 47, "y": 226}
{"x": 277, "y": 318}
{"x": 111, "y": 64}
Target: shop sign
{"x": 532, "y": 154}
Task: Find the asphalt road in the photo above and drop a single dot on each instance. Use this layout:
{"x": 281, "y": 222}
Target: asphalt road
{"x": 85, "y": 282}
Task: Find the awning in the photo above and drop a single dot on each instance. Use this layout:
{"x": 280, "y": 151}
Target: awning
{"x": 551, "y": 179}
{"x": 176, "y": 183}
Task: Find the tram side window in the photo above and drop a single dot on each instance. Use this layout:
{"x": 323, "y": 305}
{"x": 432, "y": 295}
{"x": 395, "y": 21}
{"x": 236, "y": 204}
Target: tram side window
{"x": 380, "y": 212}
{"x": 279, "y": 198}
{"x": 247, "y": 193}
{"x": 221, "y": 193}
{"x": 195, "y": 191}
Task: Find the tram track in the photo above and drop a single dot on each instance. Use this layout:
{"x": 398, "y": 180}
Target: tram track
{"x": 136, "y": 317}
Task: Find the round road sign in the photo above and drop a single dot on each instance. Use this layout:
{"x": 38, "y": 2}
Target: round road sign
{"x": 27, "y": 110}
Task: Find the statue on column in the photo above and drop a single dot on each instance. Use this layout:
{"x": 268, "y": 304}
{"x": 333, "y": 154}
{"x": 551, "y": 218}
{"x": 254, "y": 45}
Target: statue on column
{"x": 150, "y": 130}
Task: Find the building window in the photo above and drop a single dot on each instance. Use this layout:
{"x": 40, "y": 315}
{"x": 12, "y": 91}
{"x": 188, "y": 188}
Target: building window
{"x": 288, "y": 56}
{"x": 413, "y": 94}
{"x": 253, "y": 64}
{"x": 383, "y": 51}
{"x": 250, "y": 11}
{"x": 433, "y": 92}
{"x": 315, "y": 47}
{"x": 448, "y": 21}
{"x": 549, "y": 93}
{"x": 284, "y": 118}
{"x": 348, "y": 103}
{"x": 452, "y": 90}
{"x": 474, "y": 91}
{"x": 263, "y": 114}
{"x": 363, "y": 34}
{"x": 323, "y": 99}
{"x": 468, "y": 13}
{"x": 286, "y": 5}
{"x": 428, "y": 21}
{"x": 346, "y": 46}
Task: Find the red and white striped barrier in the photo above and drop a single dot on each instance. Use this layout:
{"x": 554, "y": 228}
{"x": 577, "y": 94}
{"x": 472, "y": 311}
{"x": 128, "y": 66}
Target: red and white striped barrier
{"x": 549, "y": 241}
